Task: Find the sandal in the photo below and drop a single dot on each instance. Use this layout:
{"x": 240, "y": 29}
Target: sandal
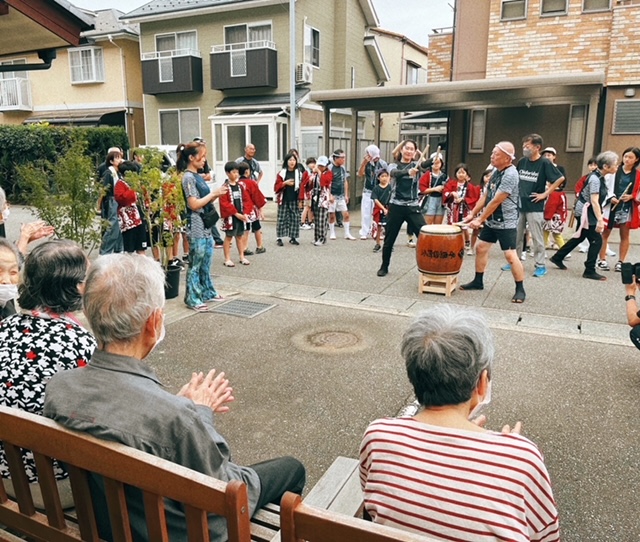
{"x": 229, "y": 263}
{"x": 199, "y": 308}
{"x": 518, "y": 297}
{"x": 245, "y": 262}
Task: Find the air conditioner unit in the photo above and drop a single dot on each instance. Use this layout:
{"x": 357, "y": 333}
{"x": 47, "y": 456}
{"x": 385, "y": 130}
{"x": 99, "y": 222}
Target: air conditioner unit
{"x": 304, "y": 73}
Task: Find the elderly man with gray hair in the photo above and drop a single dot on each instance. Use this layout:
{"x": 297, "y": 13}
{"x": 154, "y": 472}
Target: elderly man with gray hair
{"x": 118, "y": 397}
{"x": 439, "y": 473}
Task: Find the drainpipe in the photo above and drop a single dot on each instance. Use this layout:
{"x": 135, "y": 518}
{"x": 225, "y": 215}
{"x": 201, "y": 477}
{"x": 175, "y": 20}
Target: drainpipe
{"x": 123, "y": 66}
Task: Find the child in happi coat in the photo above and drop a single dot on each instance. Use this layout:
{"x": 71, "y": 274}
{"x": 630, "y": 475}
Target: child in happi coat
{"x": 259, "y": 201}
{"x": 555, "y": 215}
{"x": 235, "y": 208}
{"x": 459, "y": 197}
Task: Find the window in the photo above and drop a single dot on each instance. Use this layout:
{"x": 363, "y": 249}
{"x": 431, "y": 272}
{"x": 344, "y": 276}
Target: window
{"x": 553, "y": 7}
{"x": 16, "y": 74}
{"x": 312, "y": 46}
{"x": 179, "y": 125}
{"x": 577, "y": 125}
{"x": 477, "y": 123}
{"x": 626, "y": 117}
{"x": 413, "y": 71}
{"x": 170, "y": 45}
{"x": 513, "y": 9}
{"x": 244, "y": 36}
{"x": 596, "y": 5}
{"x": 87, "y": 65}
{"x": 247, "y": 33}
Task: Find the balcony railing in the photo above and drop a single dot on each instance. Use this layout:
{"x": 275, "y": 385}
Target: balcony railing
{"x": 263, "y": 44}
{"x": 168, "y": 54}
{"x": 15, "y": 94}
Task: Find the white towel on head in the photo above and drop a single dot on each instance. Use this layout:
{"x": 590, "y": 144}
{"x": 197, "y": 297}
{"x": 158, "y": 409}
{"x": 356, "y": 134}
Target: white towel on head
{"x": 373, "y": 151}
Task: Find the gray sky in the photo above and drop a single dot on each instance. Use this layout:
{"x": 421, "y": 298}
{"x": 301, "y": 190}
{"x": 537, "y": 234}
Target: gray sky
{"x": 413, "y": 18}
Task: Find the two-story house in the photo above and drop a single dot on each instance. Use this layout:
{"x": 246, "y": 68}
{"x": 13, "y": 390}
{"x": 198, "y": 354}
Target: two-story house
{"x": 220, "y": 69}
{"x": 97, "y": 83}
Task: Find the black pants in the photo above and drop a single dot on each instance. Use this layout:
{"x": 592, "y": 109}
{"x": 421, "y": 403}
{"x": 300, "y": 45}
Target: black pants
{"x": 595, "y": 244}
{"x": 277, "y": 476}
{"x": 398, "y": 215}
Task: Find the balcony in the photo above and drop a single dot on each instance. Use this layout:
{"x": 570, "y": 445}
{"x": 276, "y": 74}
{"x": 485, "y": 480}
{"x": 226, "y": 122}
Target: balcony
{"x": 244, "y": 65}
{"x": 165, "y": 72}
{"x": 15, "y": 95}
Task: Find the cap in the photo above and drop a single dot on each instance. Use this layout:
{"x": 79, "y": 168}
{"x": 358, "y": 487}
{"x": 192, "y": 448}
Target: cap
{"x": 322, "y": 161}
{"x": 551, "y": 150}
{"x": 199, "y": 139}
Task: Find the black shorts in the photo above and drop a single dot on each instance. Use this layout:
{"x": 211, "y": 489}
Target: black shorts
{"x": 237, "y": 230}
{"x": 256, "y": 226}
{"x": 506, "y": 238}
{"x": 136, "y": 239}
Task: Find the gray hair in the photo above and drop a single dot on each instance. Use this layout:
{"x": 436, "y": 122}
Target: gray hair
{"x": 607, "y": 158}
{"x": 121, "y": 293}
{"x": 445, "y": 350}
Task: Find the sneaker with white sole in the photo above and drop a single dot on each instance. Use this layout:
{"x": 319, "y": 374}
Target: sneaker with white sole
{"x": 411, "y": 243}
{"x": 523, "y": 257}
{"x": 618, "y": 267}
{"x": 332, "y": 236}
{"x": 610, "y": 252}
{"x": 540, "y": 271}
{"x": 603, "y": 265}
{"x": 349, "y": 237}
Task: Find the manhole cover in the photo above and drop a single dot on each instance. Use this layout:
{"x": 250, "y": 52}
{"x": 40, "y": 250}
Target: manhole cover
{"x": 242, "y": 308}
{"x": 333, "y": 339}
{"x": 329, "y": 341}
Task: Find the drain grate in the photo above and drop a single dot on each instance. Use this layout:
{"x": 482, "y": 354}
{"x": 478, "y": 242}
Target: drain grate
{"x": 242, "y": 308}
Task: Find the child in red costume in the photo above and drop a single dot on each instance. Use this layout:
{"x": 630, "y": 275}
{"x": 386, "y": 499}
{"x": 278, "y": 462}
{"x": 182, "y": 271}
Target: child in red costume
{"x": 235, "y": 208}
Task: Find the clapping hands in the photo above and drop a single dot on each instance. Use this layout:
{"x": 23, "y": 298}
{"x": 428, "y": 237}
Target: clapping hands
{"x": 211, "y": 390}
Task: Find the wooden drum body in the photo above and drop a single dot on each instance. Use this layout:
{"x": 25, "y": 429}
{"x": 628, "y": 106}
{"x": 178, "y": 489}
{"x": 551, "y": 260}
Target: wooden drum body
{"x": 440, "y": 249}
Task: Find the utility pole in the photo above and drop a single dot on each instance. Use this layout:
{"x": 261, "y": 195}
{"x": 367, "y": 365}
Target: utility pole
{"x": 292, "y": 74}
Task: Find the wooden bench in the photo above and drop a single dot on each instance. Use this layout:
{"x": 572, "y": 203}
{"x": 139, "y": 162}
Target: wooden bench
{"x": 119, "y": 465}
{"x": 331, "y": 504}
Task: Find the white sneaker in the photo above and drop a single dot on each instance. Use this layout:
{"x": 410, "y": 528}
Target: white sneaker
{"x": 523, "y": 257}
{"x": 411, "y": 243}
{"x": 332, "y": 236}
{"x": 349, "y": 237}
{"x": 319, "y": 243}
{"x": 610, "y": 252}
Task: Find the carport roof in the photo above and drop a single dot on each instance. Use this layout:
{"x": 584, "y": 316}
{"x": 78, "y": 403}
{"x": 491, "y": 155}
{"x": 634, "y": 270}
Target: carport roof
{"x": 478, "y": 93}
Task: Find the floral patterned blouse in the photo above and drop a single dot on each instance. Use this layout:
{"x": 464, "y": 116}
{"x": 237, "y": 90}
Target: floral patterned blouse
{"x": 33, "y": 347}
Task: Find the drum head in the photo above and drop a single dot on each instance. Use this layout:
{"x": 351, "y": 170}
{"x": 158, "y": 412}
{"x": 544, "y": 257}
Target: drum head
{"x": 440, "y": 229}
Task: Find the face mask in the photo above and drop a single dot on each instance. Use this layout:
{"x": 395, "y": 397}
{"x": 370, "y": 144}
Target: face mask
{"x": 7, "y": 293}
{"x": 5, "y": 214}
{"x": 527, "y": 153}
{"x": 485, "y": 401}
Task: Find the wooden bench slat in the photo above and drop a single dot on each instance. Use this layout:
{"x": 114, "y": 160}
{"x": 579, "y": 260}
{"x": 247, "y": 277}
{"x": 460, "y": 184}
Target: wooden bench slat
{"x": 49, "y": 490}
{"x": 84, "y": 503}
{"x": 349, "y": 500}
{"x": 238, "y": 516}
{"x": 197, "y": 524}
{"x": 118, "y": 512}
{"x": 36, "y": 526}
{"x": 155, "y": 517}
{"x": 19, "y": 479}
{"x": 260, "y": 533}
{"x": 331, "y": 482}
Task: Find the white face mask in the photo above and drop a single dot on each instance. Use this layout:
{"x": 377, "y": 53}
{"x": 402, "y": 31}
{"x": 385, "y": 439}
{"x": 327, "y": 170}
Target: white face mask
{"x": 163, "y": 332}
{"x": 5, "y": 214}
{"x": 485, "y": 401}
{"x": 7, "y": 293}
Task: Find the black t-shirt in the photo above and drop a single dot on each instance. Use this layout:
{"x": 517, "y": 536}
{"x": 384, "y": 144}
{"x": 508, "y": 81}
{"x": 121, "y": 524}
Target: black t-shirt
{"x": 290, "y": 193}
{"x": 236, "y": 196}
{"x": 534, "y": 176}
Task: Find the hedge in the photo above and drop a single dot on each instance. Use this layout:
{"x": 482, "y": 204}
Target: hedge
{"x": 22, "y": 145}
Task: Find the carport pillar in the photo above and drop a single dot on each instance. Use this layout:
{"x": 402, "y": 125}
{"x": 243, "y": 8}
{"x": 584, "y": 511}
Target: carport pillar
{"x": 376, "y": 128}
{"x": 326, "y": 129}
{"x": 590, "y": 134}
{"x": 353, "y": 160}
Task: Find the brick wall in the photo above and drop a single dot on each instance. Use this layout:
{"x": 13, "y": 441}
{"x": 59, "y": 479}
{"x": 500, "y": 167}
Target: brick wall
{"x": 572, "y": 43}
{"x": 439, "y": 61}
{"x": 624, "y": 68}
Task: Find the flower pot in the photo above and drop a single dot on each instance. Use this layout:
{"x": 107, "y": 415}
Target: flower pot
{"x": 172, "y": 282}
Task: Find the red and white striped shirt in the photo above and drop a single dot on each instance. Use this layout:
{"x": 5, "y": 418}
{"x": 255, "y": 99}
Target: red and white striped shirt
{"x": 456, "y": 485}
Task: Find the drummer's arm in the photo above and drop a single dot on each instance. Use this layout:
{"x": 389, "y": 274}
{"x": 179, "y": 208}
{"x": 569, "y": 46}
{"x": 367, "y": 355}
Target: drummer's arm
{"x": 474, "y": 212}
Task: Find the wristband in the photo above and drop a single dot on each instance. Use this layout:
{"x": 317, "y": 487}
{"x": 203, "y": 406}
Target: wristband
{"x": 629, "y": 297}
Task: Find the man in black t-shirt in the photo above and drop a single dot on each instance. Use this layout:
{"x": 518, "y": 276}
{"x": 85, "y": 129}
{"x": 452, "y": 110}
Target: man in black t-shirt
{"x": 534, "y": 173}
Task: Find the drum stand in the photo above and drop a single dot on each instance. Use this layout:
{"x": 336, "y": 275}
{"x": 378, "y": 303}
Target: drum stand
{"x": 437, "y": 284}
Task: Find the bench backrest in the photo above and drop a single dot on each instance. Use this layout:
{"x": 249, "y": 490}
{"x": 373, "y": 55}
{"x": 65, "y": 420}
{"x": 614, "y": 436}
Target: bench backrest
{"x": 299, "y": 521}
{"x": 118, "y": 465}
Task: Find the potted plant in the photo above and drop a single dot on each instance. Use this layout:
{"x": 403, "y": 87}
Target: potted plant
{"x": 160, "y": 196}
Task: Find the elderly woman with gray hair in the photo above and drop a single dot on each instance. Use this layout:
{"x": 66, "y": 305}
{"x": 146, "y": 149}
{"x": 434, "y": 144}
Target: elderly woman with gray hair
{"x": 43, "y": 338}
{"x": 439, "y": 473}
{"x": 592, "y": 198}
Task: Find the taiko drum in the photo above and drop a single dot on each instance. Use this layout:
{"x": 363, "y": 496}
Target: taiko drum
{"x": 440, "y": 249}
